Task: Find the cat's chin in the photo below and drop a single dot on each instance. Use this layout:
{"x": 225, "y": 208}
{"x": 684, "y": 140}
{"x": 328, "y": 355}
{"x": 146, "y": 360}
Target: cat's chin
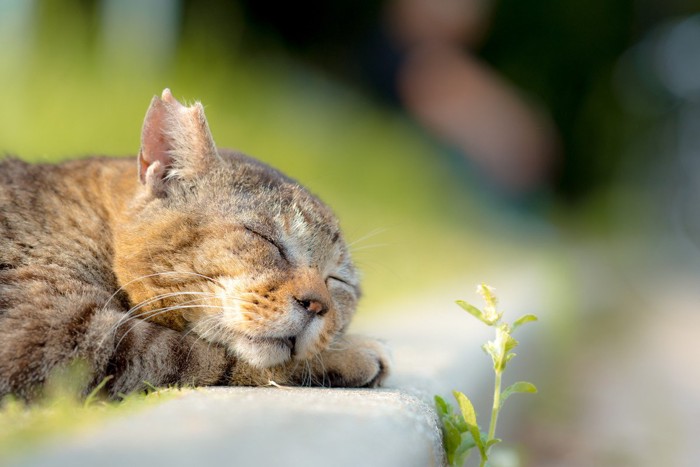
{"x": 265, "y": 352}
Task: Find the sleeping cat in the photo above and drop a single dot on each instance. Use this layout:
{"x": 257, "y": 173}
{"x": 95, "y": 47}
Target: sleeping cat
{"x": 189, "y": 265}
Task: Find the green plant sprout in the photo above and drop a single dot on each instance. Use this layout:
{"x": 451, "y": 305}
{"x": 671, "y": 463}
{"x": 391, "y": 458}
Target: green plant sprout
{"x": 64, "y": 409}
{"x": 461, "y": 432}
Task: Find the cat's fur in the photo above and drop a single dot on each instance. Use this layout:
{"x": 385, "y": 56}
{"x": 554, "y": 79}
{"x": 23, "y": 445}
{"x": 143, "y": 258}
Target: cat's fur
{"x": 190, "y": 265}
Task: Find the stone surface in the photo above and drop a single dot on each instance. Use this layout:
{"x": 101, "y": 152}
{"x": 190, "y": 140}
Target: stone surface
{"x": 435, "y": 349}
{"x": 264, "y": 426}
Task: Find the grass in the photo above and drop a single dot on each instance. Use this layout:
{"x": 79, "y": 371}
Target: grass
{"x": 22, "y": 428}
{"x": 62, "y": 412}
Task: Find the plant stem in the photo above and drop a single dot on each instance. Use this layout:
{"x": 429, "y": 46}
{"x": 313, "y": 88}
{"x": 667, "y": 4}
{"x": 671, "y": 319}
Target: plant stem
{"x": 494, "y": 413}
{"x": 496, "y": 406}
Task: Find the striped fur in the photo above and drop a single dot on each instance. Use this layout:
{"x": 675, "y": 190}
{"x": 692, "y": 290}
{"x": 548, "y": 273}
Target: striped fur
{"x": 191, "y": 265}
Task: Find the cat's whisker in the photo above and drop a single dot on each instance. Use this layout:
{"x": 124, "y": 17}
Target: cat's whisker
{"x": 369, "y": 247}
{"x": 224, "y": 334}
{"x": 204, "y": 295}
{"x": 164, "y": 296}
{"x": 306, "y": 375}
{"x": 128, "y": 316}
{"x": 200, "y": 323}
{"x": 204, "y": 330}
{"x": 372, "y": 233}
{"x": 336, "y": 346}
{"x": 207, "y": 336}
{"x": 171, "y": 295}
{"x": 319, "y": 359}
{"x": 208, "y": 339}
{"x": 124, "y": 319}
{"x": 296, "y": 366}
{"x": 312, "y": 374}
{"x": 130, "y": 313}
{"x": 146, "y": 316}
{"x": 159, "y": 311}
{"x": 148, "y": 276}
{"x": 151, "y": 314}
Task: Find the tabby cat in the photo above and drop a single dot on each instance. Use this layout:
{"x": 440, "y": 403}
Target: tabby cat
{"x": 189, "y": 265}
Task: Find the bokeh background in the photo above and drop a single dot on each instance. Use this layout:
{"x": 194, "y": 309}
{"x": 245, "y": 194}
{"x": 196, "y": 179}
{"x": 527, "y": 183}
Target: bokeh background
{"x": 554, "y": 145}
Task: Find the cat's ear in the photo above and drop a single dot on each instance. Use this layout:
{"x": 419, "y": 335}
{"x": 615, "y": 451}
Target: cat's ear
{"x": 175, "y": 142}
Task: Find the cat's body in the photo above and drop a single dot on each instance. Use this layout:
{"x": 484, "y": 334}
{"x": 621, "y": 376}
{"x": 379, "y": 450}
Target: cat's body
{"x": 190, "y": 265}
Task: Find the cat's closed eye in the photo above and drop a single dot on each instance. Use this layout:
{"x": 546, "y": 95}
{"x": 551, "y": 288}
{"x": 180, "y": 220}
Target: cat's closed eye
{"x": 270, "y": 240}
{"x": 340, "y": 281}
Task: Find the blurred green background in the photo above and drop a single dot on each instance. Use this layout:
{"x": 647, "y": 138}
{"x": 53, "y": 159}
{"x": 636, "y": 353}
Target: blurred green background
{"x": 79, "y": 76}
{"x": 339, "y": 95}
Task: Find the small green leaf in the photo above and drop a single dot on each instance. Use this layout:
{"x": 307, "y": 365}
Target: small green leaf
{"x": 467, "y": 441}
{"x": 487, "y": 293}
{"x": 469, "y": 415}
{"x": 510, "y": 343}
{"x": 464, "y": 449}
{"x": 93, "y": 394}
{"x": 472, "y": 310}
{"x": 492, "y": 442}
{"x": 505, "y": 361}
{"x": 466, "y": 407}
{"x": 441, "y": 406}
{"x": 491, "y": 314}
{"x": 458, "y": 421}
{"x": 491, "y": 350}
{"x": 149, "y": 387}
{"x": 451, "y": 439}
{"x": 522, "y": 320}
{"x": 521, "y": 387}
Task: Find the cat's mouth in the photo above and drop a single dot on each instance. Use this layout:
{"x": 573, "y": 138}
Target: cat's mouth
{"x": 284, "y": 342}
{"x": 290, "y": 342}
{"x": 267, "y": 351}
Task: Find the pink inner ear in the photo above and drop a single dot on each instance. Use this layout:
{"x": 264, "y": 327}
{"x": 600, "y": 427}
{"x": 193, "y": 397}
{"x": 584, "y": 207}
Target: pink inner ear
{"x": 174, "y": 139}
{"x": 155, "y": 146}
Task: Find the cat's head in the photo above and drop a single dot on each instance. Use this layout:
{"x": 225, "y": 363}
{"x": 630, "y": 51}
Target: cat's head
{"x": 226, "y": 247}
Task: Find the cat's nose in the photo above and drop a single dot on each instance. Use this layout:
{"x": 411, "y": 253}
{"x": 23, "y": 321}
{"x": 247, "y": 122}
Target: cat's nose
{"x": 314, "y": 305}
{"x": 311, "y": 292}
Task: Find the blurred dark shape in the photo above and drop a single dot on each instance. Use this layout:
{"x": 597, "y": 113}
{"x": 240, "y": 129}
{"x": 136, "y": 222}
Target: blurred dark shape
{"x": 412, "y": 52}
{"x": 462, "y": 100}
{"x": 561, "y": 55}
{"x": 465, "y": 103}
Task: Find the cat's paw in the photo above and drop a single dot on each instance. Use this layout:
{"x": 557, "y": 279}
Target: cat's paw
{"x": 355, "y": 361}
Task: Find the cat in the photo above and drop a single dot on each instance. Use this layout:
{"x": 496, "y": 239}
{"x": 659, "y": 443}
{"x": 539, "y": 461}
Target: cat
{"x": 191, "y": 265}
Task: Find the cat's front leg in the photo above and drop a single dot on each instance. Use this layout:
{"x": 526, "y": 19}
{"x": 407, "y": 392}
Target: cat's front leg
{"x": 350, "y": 361}
{"x": 49, "y": 320}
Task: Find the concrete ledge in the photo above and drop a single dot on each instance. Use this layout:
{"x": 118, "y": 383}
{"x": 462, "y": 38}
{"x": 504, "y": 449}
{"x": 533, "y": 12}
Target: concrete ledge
{"x": 436, "y": 349}
{"x": 264, "y": 426}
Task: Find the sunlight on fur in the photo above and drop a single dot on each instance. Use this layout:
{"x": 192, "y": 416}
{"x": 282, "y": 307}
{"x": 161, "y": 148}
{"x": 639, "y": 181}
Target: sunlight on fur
{"x": 217, "y": 269}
